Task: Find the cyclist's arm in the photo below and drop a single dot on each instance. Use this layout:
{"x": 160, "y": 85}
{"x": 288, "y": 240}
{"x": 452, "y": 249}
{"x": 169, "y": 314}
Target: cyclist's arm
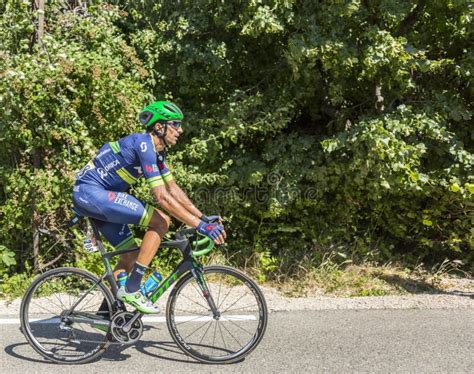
{"x": 174, "y": 207}
{"x": 180, "y": 196}
{"x": 156, "y": 175}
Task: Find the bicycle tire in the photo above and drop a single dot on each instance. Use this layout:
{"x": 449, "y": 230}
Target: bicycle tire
{"x": 235, "y": 280}
{"x": 34, "y": 303}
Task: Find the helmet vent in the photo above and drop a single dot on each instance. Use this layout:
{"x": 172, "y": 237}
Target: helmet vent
{"x": 170, "y": 108}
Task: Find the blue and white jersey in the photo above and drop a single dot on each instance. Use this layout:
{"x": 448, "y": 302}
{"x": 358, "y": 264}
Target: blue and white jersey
{"x": 119, "y": 164}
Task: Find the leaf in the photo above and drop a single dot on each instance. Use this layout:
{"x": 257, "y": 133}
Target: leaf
{"x": 427, "y": 222}
{"x": 470, "y": 188}
{"x": 385, "y": 184}
{"x": 454, "y": 187}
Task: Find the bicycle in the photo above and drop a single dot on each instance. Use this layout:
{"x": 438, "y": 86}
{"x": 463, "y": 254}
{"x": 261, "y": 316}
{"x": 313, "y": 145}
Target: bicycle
{"x": 60, "y": 318}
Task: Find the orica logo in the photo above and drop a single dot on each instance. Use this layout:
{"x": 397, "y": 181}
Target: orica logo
{"x": 111, "y": 165}
{"x": 143, "y": 146}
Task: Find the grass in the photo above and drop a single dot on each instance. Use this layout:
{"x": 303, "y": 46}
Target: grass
{"x": 349, "y": 280}
{"x": 326, "y": 277}
{"x": 336, "y": 275}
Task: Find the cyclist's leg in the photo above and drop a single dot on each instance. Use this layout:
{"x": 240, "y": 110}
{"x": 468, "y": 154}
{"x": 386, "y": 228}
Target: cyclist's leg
{"x": 122, "y": 208}
{"x": 157, "y": 228}
{"x": 121, "y": 237}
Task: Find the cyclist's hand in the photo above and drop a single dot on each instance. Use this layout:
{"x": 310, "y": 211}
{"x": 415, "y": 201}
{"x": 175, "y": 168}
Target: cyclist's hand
{"x": 212, "y": 219}
{"x": 214, "y": 231}
{"x": 215, "y": 219}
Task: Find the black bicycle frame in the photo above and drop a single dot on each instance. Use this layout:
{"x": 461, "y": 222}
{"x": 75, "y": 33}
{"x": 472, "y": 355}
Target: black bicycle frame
{"x": 187, "y": 264}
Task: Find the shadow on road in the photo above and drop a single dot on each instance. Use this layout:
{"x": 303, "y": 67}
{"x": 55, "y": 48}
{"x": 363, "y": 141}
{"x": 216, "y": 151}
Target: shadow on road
{"x": 10, "y": 350}
{"x": 165, "y": 350}
{"x": 419, "y": 286}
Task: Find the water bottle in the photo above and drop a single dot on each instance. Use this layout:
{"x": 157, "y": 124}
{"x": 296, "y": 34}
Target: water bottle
{"x": 122, "y": 278}
{"x": 151, "y": 283}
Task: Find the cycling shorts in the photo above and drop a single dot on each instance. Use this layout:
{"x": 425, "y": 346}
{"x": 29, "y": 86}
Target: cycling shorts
{"x": 112, "y": 211}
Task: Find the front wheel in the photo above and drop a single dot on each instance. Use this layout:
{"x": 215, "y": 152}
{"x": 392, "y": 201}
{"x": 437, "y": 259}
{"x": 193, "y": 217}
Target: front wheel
{"x": 223, "y": 337}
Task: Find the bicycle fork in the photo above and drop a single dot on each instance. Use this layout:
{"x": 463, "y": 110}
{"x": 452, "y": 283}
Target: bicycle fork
{"x": 197, "y": 273}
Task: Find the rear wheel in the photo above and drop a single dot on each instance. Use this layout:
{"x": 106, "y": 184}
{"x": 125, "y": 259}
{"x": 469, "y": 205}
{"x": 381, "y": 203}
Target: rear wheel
{"x": 230, "y": 335}
{"x": 60, "y": 319}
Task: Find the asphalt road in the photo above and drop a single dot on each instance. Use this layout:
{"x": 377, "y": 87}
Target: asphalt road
{"x": 295, "y": 342}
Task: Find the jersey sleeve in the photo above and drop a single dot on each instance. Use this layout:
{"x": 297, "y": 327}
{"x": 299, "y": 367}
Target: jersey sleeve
{"x": 164, "y": 170}
{"x": 148, "y": 161}
{"x": 153, "y": 165}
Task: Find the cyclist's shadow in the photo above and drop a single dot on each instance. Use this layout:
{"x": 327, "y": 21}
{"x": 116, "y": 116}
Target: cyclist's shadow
{"x": 165, "y": 350}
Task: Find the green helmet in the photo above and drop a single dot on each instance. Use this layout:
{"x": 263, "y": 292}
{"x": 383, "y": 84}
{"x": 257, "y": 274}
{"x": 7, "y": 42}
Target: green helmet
{"x": 160, "y": 111}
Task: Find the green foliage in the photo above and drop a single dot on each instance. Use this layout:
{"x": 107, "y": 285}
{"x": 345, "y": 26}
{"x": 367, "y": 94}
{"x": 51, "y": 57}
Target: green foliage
{"x": 7, "y": 259}
{"x": 313, "y": 127}
{"x": 60, "y": 101}
{"x": 14, "y": 286}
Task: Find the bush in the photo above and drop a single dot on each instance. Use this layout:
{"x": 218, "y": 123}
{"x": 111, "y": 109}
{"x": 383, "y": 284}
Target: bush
{"x": 312, "y": 127}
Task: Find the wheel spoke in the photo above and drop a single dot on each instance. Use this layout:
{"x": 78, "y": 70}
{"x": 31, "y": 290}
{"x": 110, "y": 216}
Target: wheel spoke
{"x": 199, "y": 292}
{"x": 214, "y": 339}
{"x": 240, "y": 308}
{"x": 189, "y": 320}
{"x": 60, "y": 302}
{"x": 231, "y": 335}
{"x": 189, "y": 311}
{"x": 199, "y": 328}
{"x": 82, "y": 309}
{"x": 248, "y": 332}
{"x": 225, "y": 297}
{"x": 202, "y": 306}
{"x": 222, "y": 336}
{"x": 219, "y": 293}
{"x": 50, "y": 300}
{"x": 235, "y": 302}
{"x": 200, "y": 341}
{"x": 43, "y": 308}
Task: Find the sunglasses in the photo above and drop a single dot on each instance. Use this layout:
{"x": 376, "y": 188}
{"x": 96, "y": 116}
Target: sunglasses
{"x": 175, "y": 124}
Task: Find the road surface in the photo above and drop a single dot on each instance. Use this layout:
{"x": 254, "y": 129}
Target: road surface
{"x": 300, "y": 341}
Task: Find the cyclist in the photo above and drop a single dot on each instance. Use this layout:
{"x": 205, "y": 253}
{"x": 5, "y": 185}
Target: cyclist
{"x": 100, "y": 193}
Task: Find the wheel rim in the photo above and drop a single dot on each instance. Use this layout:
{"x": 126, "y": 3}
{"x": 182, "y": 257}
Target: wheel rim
{"x": 54, "y": 328}
{"x": 241, "y": 321}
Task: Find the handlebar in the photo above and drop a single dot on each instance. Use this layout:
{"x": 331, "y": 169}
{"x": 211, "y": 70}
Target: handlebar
{"x": 195, "y": 242}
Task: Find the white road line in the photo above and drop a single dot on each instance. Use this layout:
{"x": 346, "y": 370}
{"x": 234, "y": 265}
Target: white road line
{"x": 156, "y": 319}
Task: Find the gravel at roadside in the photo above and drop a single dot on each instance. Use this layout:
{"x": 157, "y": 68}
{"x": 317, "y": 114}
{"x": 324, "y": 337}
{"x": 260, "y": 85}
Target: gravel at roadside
{"x": 278, "y": 302}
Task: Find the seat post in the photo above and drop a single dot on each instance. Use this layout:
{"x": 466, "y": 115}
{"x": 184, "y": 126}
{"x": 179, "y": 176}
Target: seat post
{"x": 97, "y": 236}
{"x": 109, "y": 273}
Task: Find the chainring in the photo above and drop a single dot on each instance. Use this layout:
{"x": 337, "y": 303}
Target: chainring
{"x": 119, "y": 320}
